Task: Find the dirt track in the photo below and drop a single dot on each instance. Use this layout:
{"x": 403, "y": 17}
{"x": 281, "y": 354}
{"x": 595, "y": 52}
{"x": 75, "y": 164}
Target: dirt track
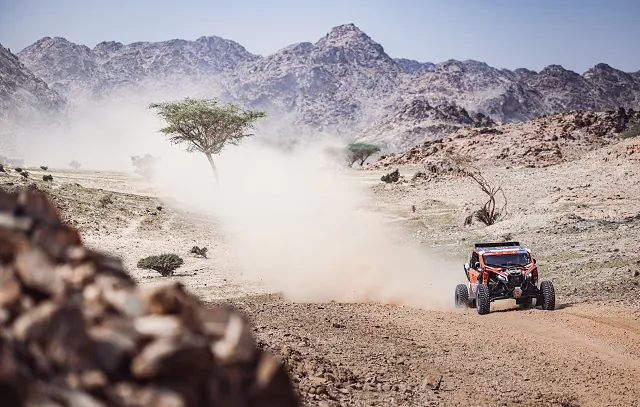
{"x": 582, "y": 354}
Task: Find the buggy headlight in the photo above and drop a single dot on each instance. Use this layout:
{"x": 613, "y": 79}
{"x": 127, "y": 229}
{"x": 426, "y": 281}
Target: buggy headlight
{"x": 502, "y": 278}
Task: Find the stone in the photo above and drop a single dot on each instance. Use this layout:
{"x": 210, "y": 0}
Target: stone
{"x": 166, "y": 357}
{"x": 10, "y": 290}
{"x": 158, "y": 325}
{"x": 112, "y": 348}
{"x": 37, "y": 272}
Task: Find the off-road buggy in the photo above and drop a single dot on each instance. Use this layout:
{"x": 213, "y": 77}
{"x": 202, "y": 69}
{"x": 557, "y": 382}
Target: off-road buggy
{"x": 498, "y": 271}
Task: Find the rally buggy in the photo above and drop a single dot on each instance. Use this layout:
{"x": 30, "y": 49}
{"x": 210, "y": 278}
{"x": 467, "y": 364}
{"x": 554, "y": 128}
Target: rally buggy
{"x": 498, "y": 271}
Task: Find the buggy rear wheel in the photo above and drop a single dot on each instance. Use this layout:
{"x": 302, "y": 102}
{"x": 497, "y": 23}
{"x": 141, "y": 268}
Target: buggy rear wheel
{"x": 462, "y": 296}
{"x": 548, "y": 296}
{"x": 483, "y": 301}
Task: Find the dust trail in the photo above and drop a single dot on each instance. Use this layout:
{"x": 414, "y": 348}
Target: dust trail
{"x": 294, "y": 221}
{"x": 296, "y": 224}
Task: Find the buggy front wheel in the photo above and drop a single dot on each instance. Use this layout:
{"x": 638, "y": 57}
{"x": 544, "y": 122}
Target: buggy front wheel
{"x": 483, "y": 300}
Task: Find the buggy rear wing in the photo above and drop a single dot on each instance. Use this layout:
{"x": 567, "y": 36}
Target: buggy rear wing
{"x": 501, "y": 244}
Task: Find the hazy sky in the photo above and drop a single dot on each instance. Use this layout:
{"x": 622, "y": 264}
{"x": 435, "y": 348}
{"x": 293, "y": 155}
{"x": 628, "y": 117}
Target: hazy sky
{"x": 576, "y": 34}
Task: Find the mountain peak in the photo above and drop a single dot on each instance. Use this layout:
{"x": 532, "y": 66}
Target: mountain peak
{"x": 602, "y": 65}
{"x": 554, "y": 68}
{"x": 345, "y": 29}
{"x": 347, "y": 36}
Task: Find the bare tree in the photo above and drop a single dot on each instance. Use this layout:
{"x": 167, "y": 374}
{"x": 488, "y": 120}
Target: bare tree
{"x": 205, "y": 125}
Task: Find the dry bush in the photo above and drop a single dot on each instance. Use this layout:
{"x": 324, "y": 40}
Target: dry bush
{"x": 165, "y": 264}
{"x": 488, "y": 214}
{"x": 106, "y": 200}
{"x": 47, "y": 177}
{"x": 199, "y": 251}
{"x": 44, "y": 167}
{"x": 393, "y": 176}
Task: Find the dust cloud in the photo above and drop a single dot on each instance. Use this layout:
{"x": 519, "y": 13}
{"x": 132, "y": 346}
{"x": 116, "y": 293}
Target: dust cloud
{"x": 295, "y": 220}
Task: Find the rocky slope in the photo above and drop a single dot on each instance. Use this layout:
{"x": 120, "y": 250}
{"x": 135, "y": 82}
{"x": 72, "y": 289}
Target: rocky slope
{"x": 23, "y": 98}
{"x": 414, "y": 67}
{"x": 418, "y": 121}
{"x": 540, "y": 142}
{"x": 343, "y": 83}
{"x": 21, "y": 92}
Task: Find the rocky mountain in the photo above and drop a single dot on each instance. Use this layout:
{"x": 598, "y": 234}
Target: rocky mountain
{"x": 344, "y": 83}
{"x": 341, "y": 83}
{"x": 79, "y": 72}
{"x": 418, "y": 121}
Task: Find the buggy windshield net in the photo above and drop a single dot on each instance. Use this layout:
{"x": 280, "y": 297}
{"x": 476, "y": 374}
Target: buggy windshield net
{"x": 505, "y": 260}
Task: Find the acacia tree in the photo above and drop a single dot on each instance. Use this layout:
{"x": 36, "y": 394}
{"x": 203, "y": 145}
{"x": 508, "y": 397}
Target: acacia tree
{"x": 360, "y": 152}
{"x": 205, "y": 125}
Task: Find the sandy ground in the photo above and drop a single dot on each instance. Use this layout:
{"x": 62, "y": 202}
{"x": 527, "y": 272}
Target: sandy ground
{"x": 581, "y": 225}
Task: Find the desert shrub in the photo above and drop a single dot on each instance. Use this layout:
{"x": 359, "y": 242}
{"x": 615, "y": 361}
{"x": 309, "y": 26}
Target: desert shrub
{"x": 25, "y": 173}
{"x": 106, "y": 200}
{"x": 391, "y": 177}
{"x": 165, "y": 264}
{"x": 2, "y": 168}
{"x": 18, "y": 169}
{"x": 199, "y": 251}
{"x": 48, "y": 177}
{"x": 44, "y": 167}
{"x": 75, "y": 165}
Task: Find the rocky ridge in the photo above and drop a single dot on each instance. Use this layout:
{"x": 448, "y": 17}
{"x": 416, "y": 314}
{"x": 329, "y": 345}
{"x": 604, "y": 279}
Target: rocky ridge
{"x": 418, "y": 121}
{"x": 414, "y": 67}
{"x": 81, "y": 73}
{"x": 539, "y": 142}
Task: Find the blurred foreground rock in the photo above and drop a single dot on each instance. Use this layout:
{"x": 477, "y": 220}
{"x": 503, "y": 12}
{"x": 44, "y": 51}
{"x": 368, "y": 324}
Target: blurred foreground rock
{"x": 76, "y": 330}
